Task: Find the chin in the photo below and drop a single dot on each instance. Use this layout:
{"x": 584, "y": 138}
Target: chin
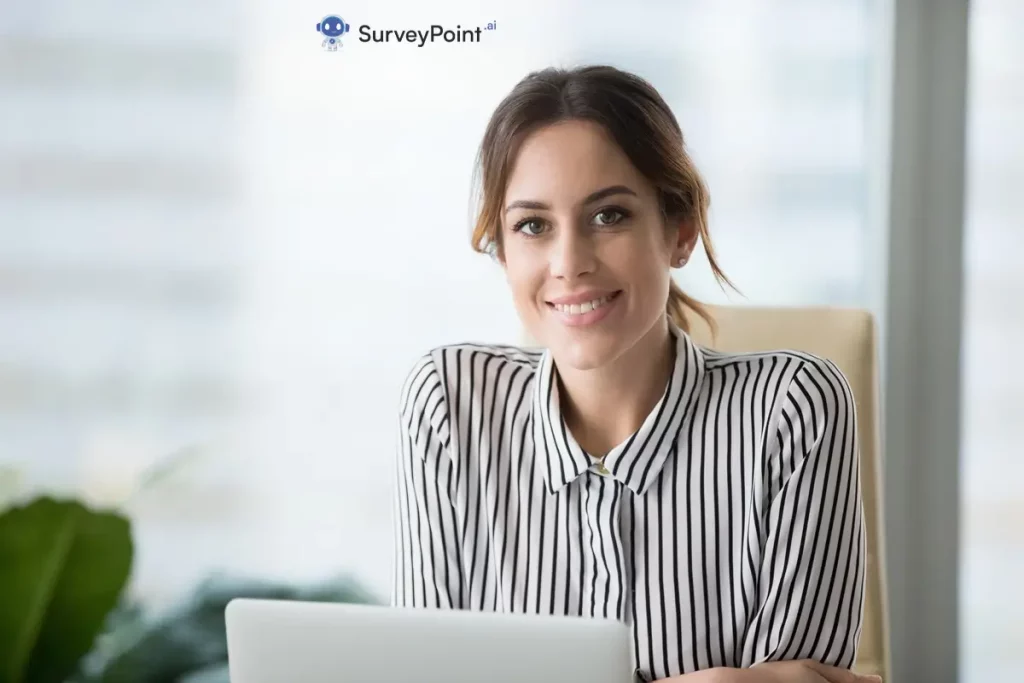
{"x": 582, "y": 353}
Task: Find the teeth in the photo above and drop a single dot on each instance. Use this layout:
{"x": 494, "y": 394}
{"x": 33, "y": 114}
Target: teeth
{"x": 586, "y": 307}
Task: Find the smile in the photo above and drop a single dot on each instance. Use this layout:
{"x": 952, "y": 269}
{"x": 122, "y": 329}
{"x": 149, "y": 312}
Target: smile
{"x": 585, "y": 312}
{"x": 585, "y": 307}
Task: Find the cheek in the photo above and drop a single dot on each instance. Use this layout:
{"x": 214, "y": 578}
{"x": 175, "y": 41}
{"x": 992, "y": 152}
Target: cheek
{"x": 638, "y": 261}
{"x": 524, "y": 275}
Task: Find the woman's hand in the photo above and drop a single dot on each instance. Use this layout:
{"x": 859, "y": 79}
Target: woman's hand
{"x": 802, "y": 671}
{"x": 805, "y": 671}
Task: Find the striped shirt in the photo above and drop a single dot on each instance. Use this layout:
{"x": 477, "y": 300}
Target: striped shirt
{"x": 727, "y": 531}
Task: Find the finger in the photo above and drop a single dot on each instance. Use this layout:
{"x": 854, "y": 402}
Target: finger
{"x": 830, "y": 673}
{"x": 835, "y": 674}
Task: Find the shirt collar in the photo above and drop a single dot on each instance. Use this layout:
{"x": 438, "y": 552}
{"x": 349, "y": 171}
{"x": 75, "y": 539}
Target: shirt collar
{"x": 637, "y": 461}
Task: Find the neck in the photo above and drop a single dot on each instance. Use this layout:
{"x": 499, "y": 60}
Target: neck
{"x": 604, "y": 406}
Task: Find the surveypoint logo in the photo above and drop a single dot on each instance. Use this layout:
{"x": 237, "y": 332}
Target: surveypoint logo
{"x": 333, "y": 27}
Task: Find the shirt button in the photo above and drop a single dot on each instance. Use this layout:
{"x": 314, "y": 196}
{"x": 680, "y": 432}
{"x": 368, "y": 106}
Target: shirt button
{"x": 601, "y": 469}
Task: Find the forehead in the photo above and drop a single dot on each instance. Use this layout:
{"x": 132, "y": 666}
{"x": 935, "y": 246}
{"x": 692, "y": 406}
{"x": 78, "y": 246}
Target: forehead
{"x": 566, "y": 161}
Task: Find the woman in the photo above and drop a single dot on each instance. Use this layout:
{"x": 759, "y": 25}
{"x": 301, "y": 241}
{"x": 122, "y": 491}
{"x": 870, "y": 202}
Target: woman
{"x": 710, "y": 500}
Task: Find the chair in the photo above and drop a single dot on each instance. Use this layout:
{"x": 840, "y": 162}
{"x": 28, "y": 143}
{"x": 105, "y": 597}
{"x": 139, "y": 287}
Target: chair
{"x": 847, "y": 338}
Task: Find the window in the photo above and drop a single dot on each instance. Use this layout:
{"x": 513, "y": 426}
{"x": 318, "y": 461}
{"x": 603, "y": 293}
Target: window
{"x": 992, "y": 500}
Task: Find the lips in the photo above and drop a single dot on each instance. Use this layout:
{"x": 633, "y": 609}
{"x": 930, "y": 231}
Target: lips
{"x": 584, "y": 307}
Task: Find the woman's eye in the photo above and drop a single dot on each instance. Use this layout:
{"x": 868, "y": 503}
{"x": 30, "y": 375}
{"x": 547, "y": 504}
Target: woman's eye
{"x": 530, "y": 227}
{"x": 611, "y": 217}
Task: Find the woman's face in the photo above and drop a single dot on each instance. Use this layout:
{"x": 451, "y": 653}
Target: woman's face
{"x": 586, "y": 251}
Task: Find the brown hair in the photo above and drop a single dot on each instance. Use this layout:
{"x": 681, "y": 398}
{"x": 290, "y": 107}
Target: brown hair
{"x": 639, "y": 121}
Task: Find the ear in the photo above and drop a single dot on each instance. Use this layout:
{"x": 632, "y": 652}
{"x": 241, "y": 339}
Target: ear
{"x": 494, "y": 251}
{"x": 684, "y": 237}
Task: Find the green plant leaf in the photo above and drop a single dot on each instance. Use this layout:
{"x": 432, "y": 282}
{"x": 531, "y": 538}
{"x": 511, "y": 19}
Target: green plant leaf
{"x": 62, "y": 569}
{"x": 191, "y": 637}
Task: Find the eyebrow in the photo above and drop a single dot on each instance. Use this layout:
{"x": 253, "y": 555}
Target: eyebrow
{"x": 592, "y": 197}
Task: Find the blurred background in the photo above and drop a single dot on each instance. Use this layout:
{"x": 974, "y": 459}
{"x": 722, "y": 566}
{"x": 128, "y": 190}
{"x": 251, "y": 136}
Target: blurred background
{"x": 221, "y": 249}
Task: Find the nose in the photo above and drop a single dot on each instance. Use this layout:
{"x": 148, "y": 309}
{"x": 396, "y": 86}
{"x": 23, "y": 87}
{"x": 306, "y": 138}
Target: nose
{"x": 572, "y": 255}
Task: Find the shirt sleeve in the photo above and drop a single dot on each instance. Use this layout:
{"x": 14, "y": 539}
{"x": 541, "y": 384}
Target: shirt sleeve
{"x": 811, "y": 576}
{"x": 427, "y": 568}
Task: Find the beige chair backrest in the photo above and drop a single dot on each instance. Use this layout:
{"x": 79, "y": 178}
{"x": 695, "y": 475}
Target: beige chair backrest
{"x": 847, "y": 338}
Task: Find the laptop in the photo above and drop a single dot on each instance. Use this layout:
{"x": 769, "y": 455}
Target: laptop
{"x": 272, "y": 641}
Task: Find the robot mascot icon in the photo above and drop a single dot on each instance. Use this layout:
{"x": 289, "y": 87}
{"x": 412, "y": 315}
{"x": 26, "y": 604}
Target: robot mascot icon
{"x": 333, "y": 27}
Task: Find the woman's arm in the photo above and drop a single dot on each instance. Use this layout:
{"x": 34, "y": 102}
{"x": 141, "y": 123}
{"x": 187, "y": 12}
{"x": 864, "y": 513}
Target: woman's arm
{"x": 807, "y": 671}
{"x": 811, "y": 574}
{"x": 427, "y": 566}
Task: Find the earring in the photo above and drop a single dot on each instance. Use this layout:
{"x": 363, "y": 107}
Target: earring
{"x": 680, "y": 262}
